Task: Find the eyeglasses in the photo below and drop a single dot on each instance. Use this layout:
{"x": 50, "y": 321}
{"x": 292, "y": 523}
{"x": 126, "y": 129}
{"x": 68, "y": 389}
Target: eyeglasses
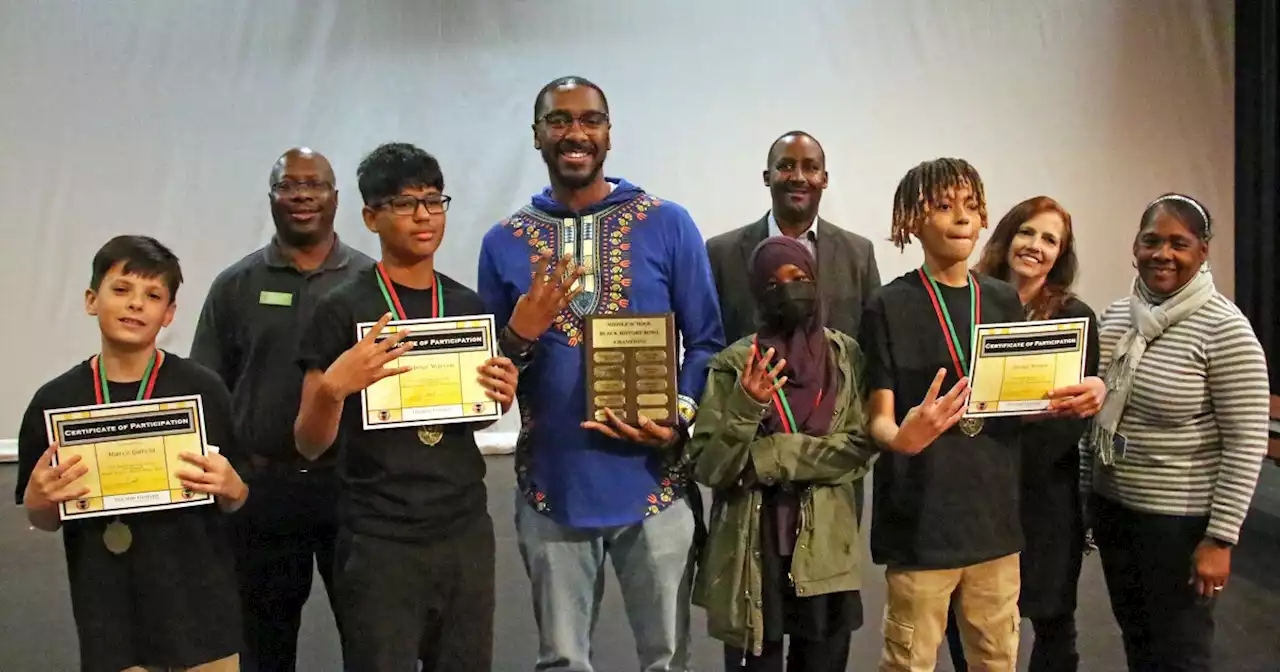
{"x": 561, "y": 122}
{"x": 407, "y": 205}
{"x": 289, "y": 187}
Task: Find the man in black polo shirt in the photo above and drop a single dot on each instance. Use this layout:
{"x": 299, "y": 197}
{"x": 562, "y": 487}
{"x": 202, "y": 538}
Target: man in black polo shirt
{"x": 248, "y": 334}
{"x": 416, "y": 546}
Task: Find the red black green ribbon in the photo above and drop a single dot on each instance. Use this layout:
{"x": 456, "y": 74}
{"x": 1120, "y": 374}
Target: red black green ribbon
{"x": 102, "y": 395}
{"x": 393, "y": 299}
{"x": 944, "y": 317}
{"x": 780, "y": 402}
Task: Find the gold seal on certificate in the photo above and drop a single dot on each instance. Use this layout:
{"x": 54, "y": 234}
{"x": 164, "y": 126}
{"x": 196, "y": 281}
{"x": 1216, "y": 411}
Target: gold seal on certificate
{"x": 131, "y": 449}
{"x": 631, "y": 367}
{"x": 442, "y": 385}
{"x": 1016, "y": 365}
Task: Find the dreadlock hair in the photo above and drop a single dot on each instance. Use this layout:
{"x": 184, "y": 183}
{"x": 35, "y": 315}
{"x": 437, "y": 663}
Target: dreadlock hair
{"x": 1056, "y": 290}
{"x": 926, "y": 184}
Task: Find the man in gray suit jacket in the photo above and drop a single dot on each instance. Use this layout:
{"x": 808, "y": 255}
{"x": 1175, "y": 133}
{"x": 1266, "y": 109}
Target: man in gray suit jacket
{"x": 796, "y": 175}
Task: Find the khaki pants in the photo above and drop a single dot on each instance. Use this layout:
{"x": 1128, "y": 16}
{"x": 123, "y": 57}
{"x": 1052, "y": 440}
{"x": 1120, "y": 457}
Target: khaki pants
{"x": 986, "y": 602}
{"x": 228, "y": 664}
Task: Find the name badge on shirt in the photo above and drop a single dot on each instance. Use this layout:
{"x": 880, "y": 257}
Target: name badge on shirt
{"x": 275, "y": 298}
{"x": 1118, "y": 446}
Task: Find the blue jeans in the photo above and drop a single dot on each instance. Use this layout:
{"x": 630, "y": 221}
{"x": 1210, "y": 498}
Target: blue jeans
{"x": 653, "y": 560}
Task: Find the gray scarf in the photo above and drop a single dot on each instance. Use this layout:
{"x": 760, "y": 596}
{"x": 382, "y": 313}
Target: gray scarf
{"x": 1149, "y": 319}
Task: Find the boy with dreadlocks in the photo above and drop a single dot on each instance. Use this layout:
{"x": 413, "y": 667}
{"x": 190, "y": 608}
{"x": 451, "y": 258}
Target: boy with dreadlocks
{"x": 945, "y": 515}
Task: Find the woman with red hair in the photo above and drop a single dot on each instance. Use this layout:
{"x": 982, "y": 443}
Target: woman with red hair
{"x": 1033, "y": 249}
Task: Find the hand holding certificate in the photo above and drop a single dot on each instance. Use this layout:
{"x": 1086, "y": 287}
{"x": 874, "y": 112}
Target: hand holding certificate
{"x": 213, "y": 474}
{"x": 1019, "y": 368}
{"x": 54, "y": 481}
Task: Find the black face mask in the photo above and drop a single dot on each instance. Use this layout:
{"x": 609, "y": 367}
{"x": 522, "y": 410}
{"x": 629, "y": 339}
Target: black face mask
{"x": 789, "y": 305}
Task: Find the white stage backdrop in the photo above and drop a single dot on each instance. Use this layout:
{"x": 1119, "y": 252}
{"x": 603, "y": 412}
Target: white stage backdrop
{"x": 160, "y": 117}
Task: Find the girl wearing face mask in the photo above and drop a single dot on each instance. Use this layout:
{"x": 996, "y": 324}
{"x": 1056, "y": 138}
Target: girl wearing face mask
{"x": 781, "y": 440}
{"x": 1033, "y": 249}
{"x": 1172, "y": 458}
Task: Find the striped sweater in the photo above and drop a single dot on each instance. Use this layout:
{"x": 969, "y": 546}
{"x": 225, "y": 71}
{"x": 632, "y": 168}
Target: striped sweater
{"x": 1196, "y": 423}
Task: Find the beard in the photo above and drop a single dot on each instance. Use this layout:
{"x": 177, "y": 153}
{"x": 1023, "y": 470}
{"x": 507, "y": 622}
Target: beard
{"x": 573, "y": 178}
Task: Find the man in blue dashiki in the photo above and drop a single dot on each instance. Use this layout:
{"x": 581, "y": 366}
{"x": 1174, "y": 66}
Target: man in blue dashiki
{"x": 590, "y": 490}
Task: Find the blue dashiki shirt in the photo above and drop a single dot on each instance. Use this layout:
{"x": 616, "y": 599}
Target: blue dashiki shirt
{"x": 642, "y": 255}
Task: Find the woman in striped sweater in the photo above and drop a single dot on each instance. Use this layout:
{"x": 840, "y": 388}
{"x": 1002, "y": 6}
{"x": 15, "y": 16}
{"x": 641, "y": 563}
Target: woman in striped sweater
{"x": 1172, "y": 459}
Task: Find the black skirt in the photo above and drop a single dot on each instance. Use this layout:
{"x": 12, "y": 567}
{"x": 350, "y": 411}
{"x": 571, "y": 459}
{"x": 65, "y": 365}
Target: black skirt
{"x": 1051, "y": 521}
{"x": 817, "y": 617}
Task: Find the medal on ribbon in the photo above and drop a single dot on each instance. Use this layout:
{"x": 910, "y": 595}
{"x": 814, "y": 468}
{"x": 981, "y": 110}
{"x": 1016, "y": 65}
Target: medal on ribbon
{"x": 117, "y": 536}
{"x": 428, "y": 435}
{"x": 969, "y": 426}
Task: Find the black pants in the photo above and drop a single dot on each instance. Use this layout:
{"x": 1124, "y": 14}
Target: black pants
{"x": 404, "y": 602}
{"x": 286, "y": 525}
{"x": 802, "y": 655}
{"x": 1054, "y": 649}
{"x": 1146, "y": 560}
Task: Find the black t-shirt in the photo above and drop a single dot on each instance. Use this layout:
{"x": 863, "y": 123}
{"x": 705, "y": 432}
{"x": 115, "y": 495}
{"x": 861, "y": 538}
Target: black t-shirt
{"x": 171, "y": 600}
{"x": 394, "y": 486}
{"x": 955, "y": 503}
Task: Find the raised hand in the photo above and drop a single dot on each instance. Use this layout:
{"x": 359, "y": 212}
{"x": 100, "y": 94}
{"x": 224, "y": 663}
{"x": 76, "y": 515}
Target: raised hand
{"x": 364, "y": 363}
{"x": 926, "y": 422}
{"x": 758, "y": 380}
{"x": 52, "y": 485}
{"x": 550, "y": 292}
{"x": 499, "y": 376}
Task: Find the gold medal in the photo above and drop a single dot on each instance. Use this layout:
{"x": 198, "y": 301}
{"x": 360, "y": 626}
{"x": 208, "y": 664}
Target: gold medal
{"x": 430, "y": 435}
{"x": 971, "y": 426}
{"x": 117, "y": 537}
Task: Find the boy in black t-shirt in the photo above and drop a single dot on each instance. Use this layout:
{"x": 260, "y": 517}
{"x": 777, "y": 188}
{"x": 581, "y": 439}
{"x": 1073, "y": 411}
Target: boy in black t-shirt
{"x": 945, "y": 519}
{"x": 415, "y": 549}
{"x": 945, "y": 515}
{"x": 164, "y": 594}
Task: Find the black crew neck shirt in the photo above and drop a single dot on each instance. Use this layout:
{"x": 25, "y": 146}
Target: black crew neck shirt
{"x": 954, "y": 504}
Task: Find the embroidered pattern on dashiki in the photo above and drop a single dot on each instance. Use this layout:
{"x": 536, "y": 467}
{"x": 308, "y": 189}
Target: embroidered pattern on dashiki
{"x": 602, "y": 248}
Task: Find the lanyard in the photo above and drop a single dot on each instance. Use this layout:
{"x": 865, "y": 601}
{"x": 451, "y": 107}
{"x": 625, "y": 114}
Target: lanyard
{"x": 116, "y": 536}
{"x": 102, "y": 395}
{"x": 393, "y": 299}
{"x": 944, "y": 317}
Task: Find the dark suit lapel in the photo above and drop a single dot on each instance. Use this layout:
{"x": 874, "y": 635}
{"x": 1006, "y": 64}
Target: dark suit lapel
{"x": 736, "y": 302}
{"x": 831, "y": 266}
{"x": 753, "y": 236}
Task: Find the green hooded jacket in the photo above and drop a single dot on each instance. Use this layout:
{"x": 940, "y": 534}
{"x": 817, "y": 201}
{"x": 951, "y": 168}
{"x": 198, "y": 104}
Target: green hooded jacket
{"x": 729, "y": 454}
